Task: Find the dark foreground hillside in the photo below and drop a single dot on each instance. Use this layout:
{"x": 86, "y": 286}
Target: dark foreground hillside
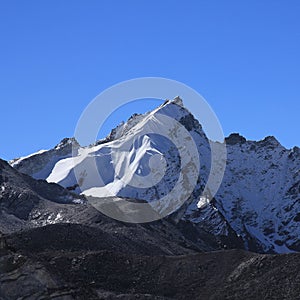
{"x": 55, "y": 245}
{"x": 35, "y": 265}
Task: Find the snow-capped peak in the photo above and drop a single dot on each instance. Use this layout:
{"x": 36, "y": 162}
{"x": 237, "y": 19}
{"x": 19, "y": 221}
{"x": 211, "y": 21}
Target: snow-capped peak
{"x": 258, "y": 199}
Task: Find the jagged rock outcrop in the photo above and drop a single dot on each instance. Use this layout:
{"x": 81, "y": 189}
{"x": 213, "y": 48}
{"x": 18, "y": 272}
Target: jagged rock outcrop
{"x": 235, "y": 138}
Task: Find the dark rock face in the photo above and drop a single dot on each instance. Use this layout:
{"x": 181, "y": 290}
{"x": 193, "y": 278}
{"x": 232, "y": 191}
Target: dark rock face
{"x": 3, "y": 245}
{"x": 235, "y": 138}
{"x": 189, "y": 122}
{"x": 269, "y": 141}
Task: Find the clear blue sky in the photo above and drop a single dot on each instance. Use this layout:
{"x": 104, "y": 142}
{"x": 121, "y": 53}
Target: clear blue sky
{"x": 56, "y": 56}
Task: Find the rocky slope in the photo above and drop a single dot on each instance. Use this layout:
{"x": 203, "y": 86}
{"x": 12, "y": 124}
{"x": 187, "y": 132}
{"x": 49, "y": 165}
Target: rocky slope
{"x": 258, "y": 198}
{"x": 66, "y": 271}
{"x": 23, "y": 200}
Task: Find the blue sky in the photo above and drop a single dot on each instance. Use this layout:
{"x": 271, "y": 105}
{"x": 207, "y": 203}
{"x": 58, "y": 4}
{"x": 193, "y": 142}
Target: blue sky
{"x": 56, "y": 56}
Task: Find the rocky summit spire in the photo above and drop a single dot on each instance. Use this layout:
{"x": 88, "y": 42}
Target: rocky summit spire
{"x": 177, "y": 100}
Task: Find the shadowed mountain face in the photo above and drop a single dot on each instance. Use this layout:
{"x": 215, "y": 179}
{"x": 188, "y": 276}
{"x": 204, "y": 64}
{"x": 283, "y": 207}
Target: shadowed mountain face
{"x": 23, "y": 199}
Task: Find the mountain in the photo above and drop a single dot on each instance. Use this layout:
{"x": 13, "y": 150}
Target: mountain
{"x": 260, "y": 193}
{"x": 258, "y": 199}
